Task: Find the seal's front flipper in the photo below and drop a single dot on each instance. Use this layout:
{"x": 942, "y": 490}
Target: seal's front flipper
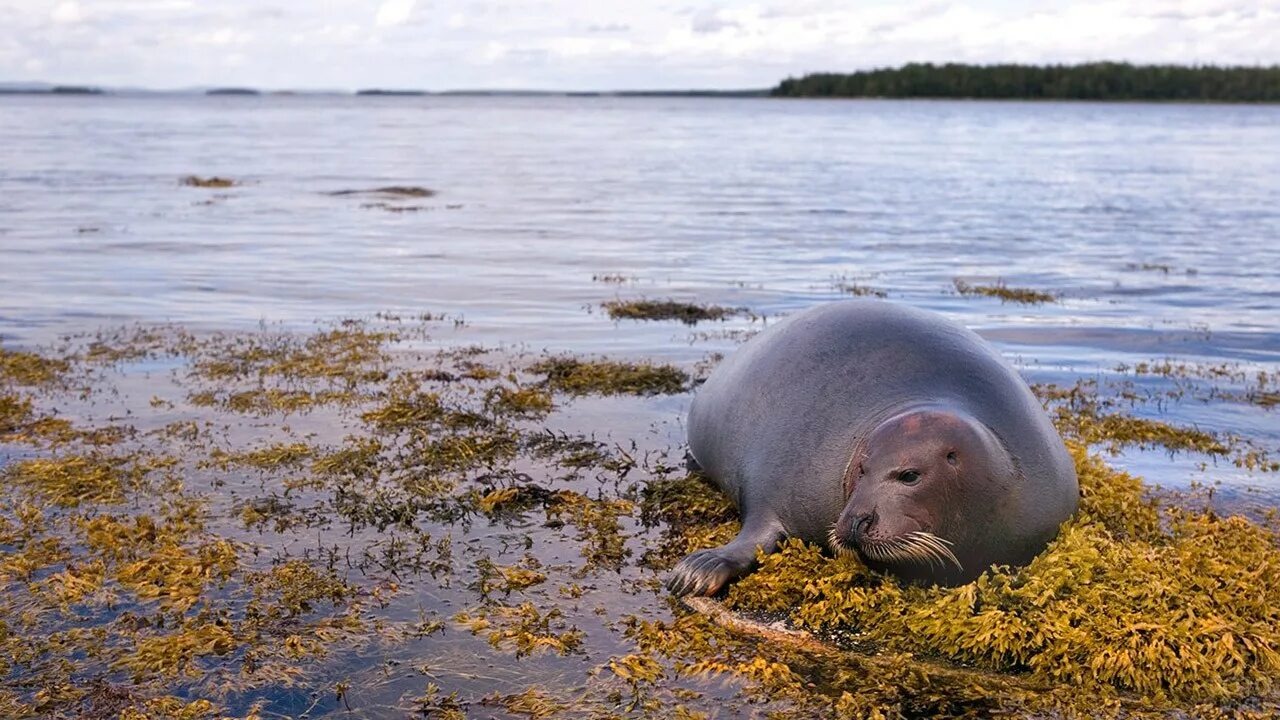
{"x": 706, "y": 572}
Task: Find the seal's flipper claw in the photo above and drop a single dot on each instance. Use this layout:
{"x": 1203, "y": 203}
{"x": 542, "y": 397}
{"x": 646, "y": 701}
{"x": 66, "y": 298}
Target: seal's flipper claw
{"x": 703, "y": 573}
{"x": 707, "y": 572}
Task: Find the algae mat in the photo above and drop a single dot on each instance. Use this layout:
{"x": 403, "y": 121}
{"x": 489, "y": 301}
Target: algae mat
{"x": 367, "y": 520}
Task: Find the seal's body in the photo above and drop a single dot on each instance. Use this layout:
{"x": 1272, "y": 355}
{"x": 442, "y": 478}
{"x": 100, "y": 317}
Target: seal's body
{"x": 881, "y": 429}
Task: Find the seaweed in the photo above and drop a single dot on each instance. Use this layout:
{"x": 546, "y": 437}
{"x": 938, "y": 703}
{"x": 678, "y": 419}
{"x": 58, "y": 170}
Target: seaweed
{"x": 1005, "y": 293}
{"x": 389, "y": 190}
{"x": 843, "y": 284}
{"x": 73, "y": 480}
{"x": 207, "y": 182}
{"x": 605, "y": 377}
{"x": 15, "y": 413}
{"x": 1132, "y": 596}
{"x": 687, "y": 313}
{"x": 411, "y": 478}
{"x": 611, "y": 278}
{"x": 524, "y": 628}
{"x": 32, "y": 369}
{"x": 1080, "y": 413}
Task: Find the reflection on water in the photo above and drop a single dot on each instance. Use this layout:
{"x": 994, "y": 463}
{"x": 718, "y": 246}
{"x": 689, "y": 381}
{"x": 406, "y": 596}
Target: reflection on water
{"x": 1154, "y": 225}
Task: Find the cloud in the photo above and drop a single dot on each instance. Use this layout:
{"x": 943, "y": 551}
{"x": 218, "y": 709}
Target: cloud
{"x": 394, "y": 12}
{"x": 712, "y": 22}
{"x": 584, "y": 44}
{"x": 608, "y": 27}
{"x": 66, "y": 12}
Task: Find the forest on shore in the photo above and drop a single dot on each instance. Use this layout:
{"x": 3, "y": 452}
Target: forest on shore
{"x": 1089, "y": 81}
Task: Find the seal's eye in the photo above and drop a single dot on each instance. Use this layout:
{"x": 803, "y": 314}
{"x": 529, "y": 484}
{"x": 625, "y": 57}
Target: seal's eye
{"x": 909, "y": 477}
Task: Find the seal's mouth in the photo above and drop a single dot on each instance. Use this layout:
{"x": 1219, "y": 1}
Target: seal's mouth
{"x": 914, "y": 548}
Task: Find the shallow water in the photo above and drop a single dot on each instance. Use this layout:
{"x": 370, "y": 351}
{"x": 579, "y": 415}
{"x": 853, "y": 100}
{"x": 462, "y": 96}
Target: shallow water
{"x": 1155, "y": 224}
{"x": 754, "y": 202}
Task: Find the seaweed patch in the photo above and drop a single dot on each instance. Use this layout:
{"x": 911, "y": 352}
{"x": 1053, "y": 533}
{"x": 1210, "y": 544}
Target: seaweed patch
{"x": 1025, "y": 296}
{"x": 687, "y": 313}
{"x": 316, "y": 522}
{"x": 583, "y": 377}
{"x": 1133, "y": 596}
{"x": 207, "y": 182}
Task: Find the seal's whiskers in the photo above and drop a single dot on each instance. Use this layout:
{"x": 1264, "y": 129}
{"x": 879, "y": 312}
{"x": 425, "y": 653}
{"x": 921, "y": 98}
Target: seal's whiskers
{"x": 936, "y": 547}
{"x": 915, "y": 547}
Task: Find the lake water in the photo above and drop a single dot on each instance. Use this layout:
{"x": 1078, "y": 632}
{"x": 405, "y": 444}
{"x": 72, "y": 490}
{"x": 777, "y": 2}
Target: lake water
{"x": 1157, "y": 227}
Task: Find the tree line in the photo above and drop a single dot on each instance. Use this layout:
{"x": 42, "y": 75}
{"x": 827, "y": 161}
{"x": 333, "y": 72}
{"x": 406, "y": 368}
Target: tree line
{"x": 1089, "y": 81}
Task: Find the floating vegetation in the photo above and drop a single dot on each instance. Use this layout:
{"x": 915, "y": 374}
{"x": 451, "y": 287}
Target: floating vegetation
{"x": 531, "y": 703}
{"x": 843, "y": 284}
{"x": 612, "y": 278}
{"x": 24, "y": 368}
{"x": 207, "y": 182}
{"x": 1005, "y": 293}
{"x": 399, "y": 191}
{"x": 687, "y": 313}
{"x": 599, "y": 526}
{"x": 518, "y": 402}
{"x": 1079, "y": 412}
{"x": 860, "y": 290}
{"x": 348, "y": 354}
{"x": 1157, "y": 267}
{"x": 1259, "y": 387}
{"x": 15, "y": 412}
{"x": 270, "y": 401}
{"x": 507, "y": 579}
{"x": 388, "y": 207}
{"x": 524, "y": 628}
{"x": 74, "y": 480}
{"x": 606, "y": 377}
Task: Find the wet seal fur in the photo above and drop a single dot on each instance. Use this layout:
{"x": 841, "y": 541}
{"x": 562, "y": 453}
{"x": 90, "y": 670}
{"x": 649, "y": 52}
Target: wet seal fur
{"x": 879, "y": 429}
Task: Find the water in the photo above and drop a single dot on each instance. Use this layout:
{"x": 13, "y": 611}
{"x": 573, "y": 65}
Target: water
{"x": 1156, "y": 225}
{"x": 750, "y": 202}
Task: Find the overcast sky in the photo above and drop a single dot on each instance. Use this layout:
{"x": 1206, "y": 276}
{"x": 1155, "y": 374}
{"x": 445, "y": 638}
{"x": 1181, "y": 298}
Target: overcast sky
{"x": 595, "y": 44}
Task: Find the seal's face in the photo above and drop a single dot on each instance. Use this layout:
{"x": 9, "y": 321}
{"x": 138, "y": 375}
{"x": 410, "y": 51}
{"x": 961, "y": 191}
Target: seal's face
{"x": 925, "y": 488}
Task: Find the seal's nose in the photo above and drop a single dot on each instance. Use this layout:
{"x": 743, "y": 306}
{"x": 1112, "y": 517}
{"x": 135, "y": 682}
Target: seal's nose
{"x": 862, "y": 525}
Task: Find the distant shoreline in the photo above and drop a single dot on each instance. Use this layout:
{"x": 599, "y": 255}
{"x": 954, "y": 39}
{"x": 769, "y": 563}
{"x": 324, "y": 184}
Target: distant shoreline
{"x": 1089, "y": 82}
{"x": 16, "y": 89}
{"x": 1101, "y": 81}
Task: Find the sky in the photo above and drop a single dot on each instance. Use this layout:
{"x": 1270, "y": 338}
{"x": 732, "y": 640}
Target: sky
{"x": 595, "y": 44}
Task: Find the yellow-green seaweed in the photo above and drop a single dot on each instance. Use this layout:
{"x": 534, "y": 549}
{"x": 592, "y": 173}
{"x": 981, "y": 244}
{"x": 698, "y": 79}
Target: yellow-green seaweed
{"x": 1026, "y": 296}
{"x": 1170, "y": 603}
{"x": 606, "y": 377}
{"x": 687, "y": 313}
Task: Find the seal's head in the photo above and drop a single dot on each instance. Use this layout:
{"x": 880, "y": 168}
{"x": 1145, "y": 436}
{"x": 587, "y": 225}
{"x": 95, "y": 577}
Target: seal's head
{"x": 929, "y": 492}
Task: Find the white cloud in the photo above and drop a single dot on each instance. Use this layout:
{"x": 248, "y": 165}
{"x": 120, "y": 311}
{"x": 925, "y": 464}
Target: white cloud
{"x": 394, "y": 12}
{"x": 574, "y": 44}
{"x": 67, "y": 12}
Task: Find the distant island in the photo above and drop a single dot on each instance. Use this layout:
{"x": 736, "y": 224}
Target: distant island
{"x": 1088, "y": 81}
{"x": 75, "y": 90}
{"x": 44, "y": 89}
{"x": 233, "y": 91}
{"x": 393, "y": 93}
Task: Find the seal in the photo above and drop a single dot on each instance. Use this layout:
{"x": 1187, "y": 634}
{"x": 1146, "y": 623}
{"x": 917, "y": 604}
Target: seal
{"x": 879, "y": 429}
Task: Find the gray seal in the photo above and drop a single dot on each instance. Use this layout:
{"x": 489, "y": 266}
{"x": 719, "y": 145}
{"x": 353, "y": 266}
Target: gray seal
{"x": 884, "y": 430}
